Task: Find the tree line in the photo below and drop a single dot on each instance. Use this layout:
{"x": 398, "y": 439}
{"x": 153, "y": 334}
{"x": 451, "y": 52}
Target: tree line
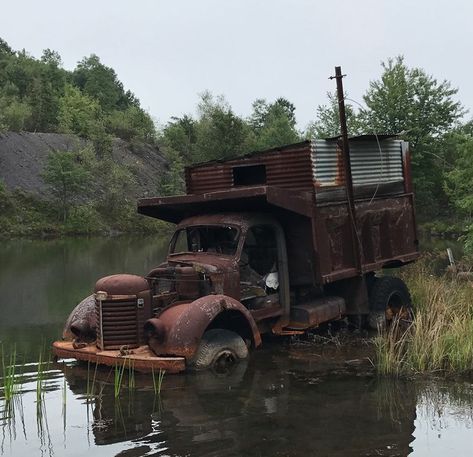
{"x": 90, "y": 101}
{"x": 404, "y": 101}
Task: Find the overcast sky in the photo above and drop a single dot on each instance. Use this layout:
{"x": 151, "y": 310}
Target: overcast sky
{"x": 167, "y": 52}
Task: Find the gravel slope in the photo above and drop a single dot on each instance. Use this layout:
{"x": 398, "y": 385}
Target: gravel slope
{"x": 23, "y": 157}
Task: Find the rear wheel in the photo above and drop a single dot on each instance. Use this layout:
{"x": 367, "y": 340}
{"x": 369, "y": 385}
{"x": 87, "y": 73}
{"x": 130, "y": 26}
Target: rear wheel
{"x": 219, "y": 350}
{"x": 389, "y": 300}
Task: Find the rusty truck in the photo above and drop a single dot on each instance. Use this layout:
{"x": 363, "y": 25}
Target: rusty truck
{"x": 267, "y": 243}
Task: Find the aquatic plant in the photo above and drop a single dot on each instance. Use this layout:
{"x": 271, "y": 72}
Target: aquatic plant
{"x": 441, "y": 336}
{"x": 9, "y": 384}
{"x": 131, "y": 375}
{"x": 158, "y": 380}
{"x": 90, "y": 389}
{"x": 118, "y": 378}
{"x": 43, "y": 368}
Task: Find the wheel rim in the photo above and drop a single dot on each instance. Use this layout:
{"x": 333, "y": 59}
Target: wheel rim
{"x": 224, "y": 361}
{"x": 398, "y": 309}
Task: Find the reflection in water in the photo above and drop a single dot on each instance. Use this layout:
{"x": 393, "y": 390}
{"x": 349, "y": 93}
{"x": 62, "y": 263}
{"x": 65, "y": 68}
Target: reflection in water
{"x": 286, "y": 401}
{"x": 271, "y": 406}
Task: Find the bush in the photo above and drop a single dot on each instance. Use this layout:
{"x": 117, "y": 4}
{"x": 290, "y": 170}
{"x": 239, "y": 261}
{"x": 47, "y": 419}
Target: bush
{"x": 84, "y": 219}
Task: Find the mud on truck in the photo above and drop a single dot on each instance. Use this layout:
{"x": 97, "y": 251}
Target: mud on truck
{"x": 270, "y": 242}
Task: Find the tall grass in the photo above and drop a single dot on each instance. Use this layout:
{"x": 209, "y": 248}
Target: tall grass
{"x": 118, "y": 378}
{"x": 158, "y": 380}
{"x": 9, "y": 384}
{"x": 441, "y": 337}
{"x": 91, "y": 385}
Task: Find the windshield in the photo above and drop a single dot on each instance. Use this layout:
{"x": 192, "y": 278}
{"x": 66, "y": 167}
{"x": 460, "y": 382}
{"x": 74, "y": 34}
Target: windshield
{"x": 215, "y": 239}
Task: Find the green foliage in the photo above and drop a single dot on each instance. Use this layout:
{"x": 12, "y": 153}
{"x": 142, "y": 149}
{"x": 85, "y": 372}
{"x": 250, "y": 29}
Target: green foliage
{"x": 39, "y": 95}
{"x": 409, "y": 101}
{"x": 327, "y": 122}
{"x": 78, "y": 113}
{"x": 180, "y": 135}
{"x": 459, "y": 179}
{"x": 115, "y": 184}
{"x": 84, "y": 219}
{"x": 133, "y": 123}
{"x": 14, "y": 114}
{"x": 221, "y": 133}
{"x": 67, "y": 177}
{"x": 101, "y": 83}
{"x": 172, "y": 182}
{"x": 273, "y": 124}
{"x": 441, "y": 336}
{"x": 218, "y": 133}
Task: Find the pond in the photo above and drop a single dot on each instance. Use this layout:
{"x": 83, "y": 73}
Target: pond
{"x": 291, "y": 398}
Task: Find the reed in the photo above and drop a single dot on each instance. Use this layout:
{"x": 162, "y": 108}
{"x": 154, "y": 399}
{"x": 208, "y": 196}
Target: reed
{"x": 39, "y": 379}
{"x": 118, "y": 378}
{"x": 441, "y": 336}
{"x": 43, "y": 368}
{"x": 131, "y": 375}
{"x": 158, "y": 380}
{"x": 9, "y": 380}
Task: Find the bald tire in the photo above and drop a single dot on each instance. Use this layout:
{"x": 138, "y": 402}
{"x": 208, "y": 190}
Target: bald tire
{"x": 219, "y": 346}
{"x": 389, "y": 297}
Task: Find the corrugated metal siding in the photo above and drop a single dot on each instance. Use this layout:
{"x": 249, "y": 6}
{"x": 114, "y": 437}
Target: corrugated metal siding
{"x": 288, "y": 168}
{"x": 373, "y": 164}
{"x": 370, "y": 163}
{"x": 302, "y": 166}
{"x": 326, "y": 163}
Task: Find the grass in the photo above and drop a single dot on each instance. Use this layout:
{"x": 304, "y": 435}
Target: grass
{"x": 441, "y": 337}
{"x": 158, "y": 381}
{"x": 91, "y": 385}
{"x": 25, "y": 215}
{"x": 118, "y": 378}
{"x": 9, "y": 384}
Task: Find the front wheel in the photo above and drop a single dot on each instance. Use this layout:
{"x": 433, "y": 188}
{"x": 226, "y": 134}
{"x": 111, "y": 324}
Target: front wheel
{"x": 219, "y": 350}
{"x": 389, "y": 300}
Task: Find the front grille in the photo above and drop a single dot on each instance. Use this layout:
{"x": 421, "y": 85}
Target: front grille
{"x": 118, "y": 324}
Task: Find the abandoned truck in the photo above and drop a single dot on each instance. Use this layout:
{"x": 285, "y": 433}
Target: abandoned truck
{"x": 265, "y": 243}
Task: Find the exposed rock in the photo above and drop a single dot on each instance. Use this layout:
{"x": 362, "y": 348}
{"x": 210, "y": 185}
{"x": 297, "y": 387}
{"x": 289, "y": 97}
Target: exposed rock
{"x": 23, "y": 157}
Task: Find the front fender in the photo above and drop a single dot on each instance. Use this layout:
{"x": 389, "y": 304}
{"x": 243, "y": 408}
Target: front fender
{"x": 178, "y": 329}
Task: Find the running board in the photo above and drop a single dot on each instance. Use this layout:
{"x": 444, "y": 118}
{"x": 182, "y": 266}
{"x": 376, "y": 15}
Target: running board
{"x": 317, "y": 311}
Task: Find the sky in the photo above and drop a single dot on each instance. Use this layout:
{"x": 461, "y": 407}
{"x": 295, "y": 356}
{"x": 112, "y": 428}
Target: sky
{"x": 168, "y": 52}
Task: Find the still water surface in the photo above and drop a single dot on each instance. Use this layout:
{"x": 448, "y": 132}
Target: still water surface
{"x": 289, "y": 399}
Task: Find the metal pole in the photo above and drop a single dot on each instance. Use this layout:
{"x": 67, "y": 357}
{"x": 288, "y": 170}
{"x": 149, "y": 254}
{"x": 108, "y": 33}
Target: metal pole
{"x": 357, "y": 248}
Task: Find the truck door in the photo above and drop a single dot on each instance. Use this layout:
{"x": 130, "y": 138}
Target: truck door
{"x": 260, "y": 271}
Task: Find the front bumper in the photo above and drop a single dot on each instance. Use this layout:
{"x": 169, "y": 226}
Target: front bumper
{"x": 142, "y": 359}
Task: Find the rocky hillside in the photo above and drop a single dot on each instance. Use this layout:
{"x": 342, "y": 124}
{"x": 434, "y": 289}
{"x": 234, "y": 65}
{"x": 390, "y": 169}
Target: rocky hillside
{"x": 24, "y": 155}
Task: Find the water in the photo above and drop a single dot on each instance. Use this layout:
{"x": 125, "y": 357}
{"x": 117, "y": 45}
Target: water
{"x": 289, "y": 399}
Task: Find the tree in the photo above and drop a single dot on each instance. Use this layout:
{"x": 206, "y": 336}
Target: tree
{"x": 172, "y": 182}
{"x": 180, "y": 135}
{"x": 409, "y": 101}
{"x": 14, "y": 114}
{"x": 220, "y": 133}
{"x": 130, "y": 124}
{"x": 327, "y": 122}
{"x": 116, "y": 184}
{"x": 459, "y": 177}
{"x": 101, "y": 83}
{"x": 68, "y": 178}
{"x": 79, "y": 113}
{"x": 272, "y": 124}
